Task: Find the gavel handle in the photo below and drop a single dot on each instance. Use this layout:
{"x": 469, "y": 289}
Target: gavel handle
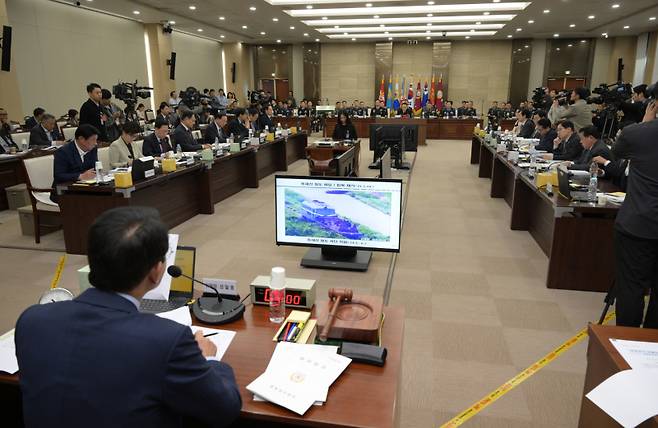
{"x": 330, "y": 320}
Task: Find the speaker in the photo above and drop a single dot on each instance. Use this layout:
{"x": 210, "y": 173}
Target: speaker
{"x": 5, "y": 64}
{"x": 171, "y": 62}
{"x": 233, "y": 73}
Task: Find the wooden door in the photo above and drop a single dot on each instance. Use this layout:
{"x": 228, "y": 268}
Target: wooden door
{"x": 282, "y": 88}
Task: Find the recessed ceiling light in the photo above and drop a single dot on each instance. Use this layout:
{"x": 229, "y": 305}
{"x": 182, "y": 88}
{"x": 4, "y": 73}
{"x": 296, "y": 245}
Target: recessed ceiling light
{"x": 430, "y": 15}
{"x": 583, "y": 41}
{"x": 468, "y": 37}
{"x": 172, "y": 22}
{"x": 308, "y": 6}
{"x": 244, "y": 27}
{"x": 509, "y": 36}
{"x": 567, "y": 72}
{"x": 317, "y": 40}
{"x": 478, "y": 23}
{"x": 353, "y": 39}
{"x": 486, "y": 14}
{"x": 604, "y": 34}
{"x": 305, "y": 34}
{"x": 135, "y": 12}
{"x": 200, "y": 30}
{"x": 368, "y": 4}
{"x": 262, "y": 33}
{"x": 572, "y": 25}
{"x": 221, "y": 18}
{"x": 496, "y": 1}
{"x": 252, "y": 8}
{"x": 324, "y": 18}
{"x": 347, "y": 34}
{"x": 615, "y": 6}
{"x": 278, "y": 40}
{"x": 519, "y": 29}
{"x": 653, "y": 18}
{"x": 472, "y": 31}
{"x": 376, "y": 17}
{"x": 591, "y": 17}
{"x": 386, "y": 32}
{"x": 222, "y": 36}
{"x": 526, "y": 46}
{"x": 336, "y": 26}
{"x": 192, "y": 7}
{"x": 382, "y": 25}
{"x": 390, "y": 38}
{"x": 547, "y": 11}
{"x": 557, "y": 49}
{"x": 428, "y": 37}
{"x": 569, "y": 45}
{"x": 626, "y": 27}
{"x": 428, "y": 31}
{"x": 275, "y": 19}
{"x": 292, "y": 28}
{"x": 556, "y": 35}
{"x": 430, "y": 3}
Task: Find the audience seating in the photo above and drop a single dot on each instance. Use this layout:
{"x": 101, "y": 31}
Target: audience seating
{"x": 39, "y": 173}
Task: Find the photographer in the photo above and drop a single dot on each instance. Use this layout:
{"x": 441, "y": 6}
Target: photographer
{"x": 634, "y": 111}
{"x": 636, "y": 226}
{"x": 578, "y": 112}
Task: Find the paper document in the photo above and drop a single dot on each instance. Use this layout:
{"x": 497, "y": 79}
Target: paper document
{"x": 8, "y": 361}
{"x": 180, "y": 315}
{"x": 161, "y": 292}
{"x": 638, "y": 355}
{"x": 629, "y": 397}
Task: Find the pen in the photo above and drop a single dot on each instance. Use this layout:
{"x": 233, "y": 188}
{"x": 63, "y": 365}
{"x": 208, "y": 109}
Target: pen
{"x": 210, "y": 334}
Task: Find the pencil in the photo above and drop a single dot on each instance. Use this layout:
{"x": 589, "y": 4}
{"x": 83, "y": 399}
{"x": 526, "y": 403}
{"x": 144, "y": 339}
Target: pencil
{"x": 210, "y": 334}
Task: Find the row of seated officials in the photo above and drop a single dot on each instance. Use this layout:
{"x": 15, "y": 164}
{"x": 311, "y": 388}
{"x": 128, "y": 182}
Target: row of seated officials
{"x": 359, "y": 109}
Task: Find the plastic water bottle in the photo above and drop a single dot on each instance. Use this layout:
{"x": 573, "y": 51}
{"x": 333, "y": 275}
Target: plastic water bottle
{"x": 178, "y": 149}
{"x": 99, "y": 172}
{"x": 277, "y": 293}
{"x": 532, "y": 172}
{"x": 593, "y": 182}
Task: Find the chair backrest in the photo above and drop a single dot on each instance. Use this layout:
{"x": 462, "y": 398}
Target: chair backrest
{"x": 39, "y": 171}
{"x": 140, "y": 145}
{"x": 19, "y": 137}
{"x": 104, "y": 157}
{"x": 319, "y": 153}
{"x": 69, "y": 133}
{"x": 150, "y": 115}
{"x": 197, "y": 134}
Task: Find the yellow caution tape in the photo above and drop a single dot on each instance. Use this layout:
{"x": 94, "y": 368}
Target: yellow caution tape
{"x": 518, "y": 379}
{"x": 58, "y": 272}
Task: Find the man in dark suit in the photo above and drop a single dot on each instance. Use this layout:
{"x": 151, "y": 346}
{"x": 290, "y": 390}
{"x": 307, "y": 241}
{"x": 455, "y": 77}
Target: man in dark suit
{"x": 215, "y": 132}
{"x": 636, "y": 226}
{"x": 265, "y": 120}
{"x": 405, "y": 111}
{"x": 379, "y": 110}
{"x": 448, "y": 110}
{"x": 567, "y": 144}
{"x": 76, "y": 160}
{"x": 183, "y": 133}
{"x": 461, "y": 111}
{"x": 91, "y": 111}
{"x": 525, "y": 126}
{"x": 33, "y": 121}
{"x": 546, "y": 135}
{"x": 6, "y": 141}
{"x": 157, "y": 144}
{"x": 252, "y": 120}
{"x": 238, "y": 126}
{"x": 593, "y": 146}
{"x": 42, "y": 134}
{"x": 98, "y": 361}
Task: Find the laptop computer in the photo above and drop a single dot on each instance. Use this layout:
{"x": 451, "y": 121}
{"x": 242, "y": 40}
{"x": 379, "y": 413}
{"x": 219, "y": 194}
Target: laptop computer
{"x": 565, "y": 188}
{"x": 182, "y": 288}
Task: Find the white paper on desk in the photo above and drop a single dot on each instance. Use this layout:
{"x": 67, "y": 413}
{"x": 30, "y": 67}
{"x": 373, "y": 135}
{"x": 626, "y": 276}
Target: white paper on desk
{"x": 279, "y": 388}
{"x": 629, "y": 397}
{"x": 161, "y": 292}
{"x": 638, "y": 355}
{"x": 180, "y": 315}
{"x": 222, "y": 339}
{"x": 8, "y": 361}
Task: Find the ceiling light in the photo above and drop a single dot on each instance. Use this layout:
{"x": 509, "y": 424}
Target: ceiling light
{"x": 309, "y": 6}
{"x": 354, "y": 39}
{"x": 556, "y": 35}
{"x": 653, "y": 18}
{"x": 478, "y": 23}
{"x": 192, "y": 7}
{"x": 200, "y": 30}
{"x": 531, "y": 22}
{"x": 430, "y": 14}
{"x": 567, "y": 72}
{"x": 411, "y": 35}
{"x": 396, "y": 10}
{"x": 591, "y": 17}
{"x": 275, "y": 19}
{"x": 262, "y": 33}
{"x": 305, "y": 34}
{"x": 317, "y": 40}
{"x": 376, "y": 17}
{"x": 604, "y": 35}
{"x": 519, "y": 29}
{"x": 430, "y": 3}
{"x": 390, "y": 38}
{"x": 547, "y": 11}
{"x": 615, "y": 6}
{"x": 221, "y": 18}
{"x": 292, "y": 28}
{"x": 486, "y": 13}
{"x": 557, "y": 49}
{"x": 222, "y": 36}
{"x": 278, "y": 41}
{"x": 468, "y": 37}
{"x": 572, "y": 25}
{"x": 410, "y": 20}
{"x": 324, "y": 18}
{"x": 569, "y": 45}
{"x": 347, "y": 34}
{"x": 244, "y": 27}
{"x": 472, "y": 31}
{"x": 172, "y": 22}
{"x": 626, "y": 27}
{"x": 368, "y": 4}
{"x": 496, "y": 1}
{"x": 509, "y": 36}
{"x": 428, "y": 37}
{"x": 135, "y": 12}
{"x": 252, "y": 8}
{"x": 583, "y": 41}
{"x": 428, "y": 31}
{"x": 382, "y": 27}
{"x": 526, "y": 46}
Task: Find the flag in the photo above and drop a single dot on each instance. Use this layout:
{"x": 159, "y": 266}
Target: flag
{"x": 381, "y": 90}
{"x": 439, "y": 93}
{"x": 426, "y": 95}
{"x": 396, "y": 99}
{"x": 410, "y": 95}
{"x": 402, "y": 88}
{"x": 389, "y": 99}
{"x": 432, "y": 91}
{"x": 417, "y": 101}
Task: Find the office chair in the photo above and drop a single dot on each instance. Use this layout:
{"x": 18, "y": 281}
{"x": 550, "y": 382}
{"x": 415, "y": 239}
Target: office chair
{"x": 39, "y": 175}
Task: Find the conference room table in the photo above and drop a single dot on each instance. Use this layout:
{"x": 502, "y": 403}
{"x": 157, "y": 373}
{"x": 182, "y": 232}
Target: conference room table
{"x": 178, "y": 195}
{"x": 300, "y": 122}
{"x": 434, "y": 128}
{"x": 577, "y": 237}
{"x": 603, "y": 361}
{"x": 364, "y": 396}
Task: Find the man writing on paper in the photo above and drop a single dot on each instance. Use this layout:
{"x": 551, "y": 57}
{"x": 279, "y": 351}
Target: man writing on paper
{"x": 97, "y": 361}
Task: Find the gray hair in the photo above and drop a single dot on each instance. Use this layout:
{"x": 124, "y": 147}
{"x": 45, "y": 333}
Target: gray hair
{"x": 46, "y": 117}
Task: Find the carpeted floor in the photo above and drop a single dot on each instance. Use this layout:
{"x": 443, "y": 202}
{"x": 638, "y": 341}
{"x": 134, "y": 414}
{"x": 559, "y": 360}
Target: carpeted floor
{"x": 477, "y": 309}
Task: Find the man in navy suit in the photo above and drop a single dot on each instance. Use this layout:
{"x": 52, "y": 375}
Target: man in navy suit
{"x": 183, "y": 133}
{"x": 44, "y": 133}
{"x": 215, "y": 131}
{"x": 157, "y": 143}
{"x": 76, "y": 160}
{"x": 97, "y": 361}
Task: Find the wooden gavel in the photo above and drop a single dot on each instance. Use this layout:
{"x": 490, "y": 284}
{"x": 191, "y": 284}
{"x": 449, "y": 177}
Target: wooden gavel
{"x": 337, "y": 295}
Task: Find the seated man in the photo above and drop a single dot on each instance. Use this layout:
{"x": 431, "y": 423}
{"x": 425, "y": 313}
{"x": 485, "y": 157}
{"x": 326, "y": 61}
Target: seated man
{"x": 182, "y": 135}
{"x": 76, "y": 160}
{"x": 567, "y": 144}
{"x": 215, "y": 132}
{"x": 363, "y": 109}
{"x": 122, "y": 150}
{"x": 379, "y": 110}
{"x": 157, "y": 144}
{"x": 536, "y": 115}
{"x": 6, "y": 141}
{"x": 448, "y": 111}
{"x": 405, "y": 111}
{"x": 302, "y": 110}
{"x": 461, "y": 111}
{"x": 238, "y": 126}
{"x": 470, "y": 110}
{"x": 525, "y": 126}
{"x": 252, "y": 120}
{"x": 265, "y": 121}
{"x": 98, "y": 361}
{"x": 205, "y": 118}
{"x": 33, "y": 121}
{"x": 593, "y": 147}
{"x": 429, "y": 110}
{"x": 42, "y": 134}
{"x": 338, "y": 107}
{"x": 546, "y": 135}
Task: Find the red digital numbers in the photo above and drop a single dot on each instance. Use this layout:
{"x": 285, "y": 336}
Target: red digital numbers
{"x": 292, "y": 298}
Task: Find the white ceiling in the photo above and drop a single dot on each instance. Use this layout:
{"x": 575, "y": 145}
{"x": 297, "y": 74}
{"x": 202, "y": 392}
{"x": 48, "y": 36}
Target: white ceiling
{"x": 391, "y": 16}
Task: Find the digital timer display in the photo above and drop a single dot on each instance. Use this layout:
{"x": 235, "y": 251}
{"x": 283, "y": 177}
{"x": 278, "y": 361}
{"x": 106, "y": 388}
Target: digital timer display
{"x": 293, "y": 297}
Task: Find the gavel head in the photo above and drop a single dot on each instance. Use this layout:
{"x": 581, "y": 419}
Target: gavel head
{"x": 342, "y": 294}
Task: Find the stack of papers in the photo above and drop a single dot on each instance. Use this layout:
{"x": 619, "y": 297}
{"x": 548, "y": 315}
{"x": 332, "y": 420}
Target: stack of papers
{"x": 221, "y": 338}
{"x": 299, "y": 375}
{"x": 8, "y": 361}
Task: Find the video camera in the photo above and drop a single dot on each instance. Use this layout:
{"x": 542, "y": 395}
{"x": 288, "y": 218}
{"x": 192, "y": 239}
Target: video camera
{"x": 613, "y": 95}
{"x": 563, "y": 97}
{"x": 130, "y": 92}
{"x": 539, "y": 99}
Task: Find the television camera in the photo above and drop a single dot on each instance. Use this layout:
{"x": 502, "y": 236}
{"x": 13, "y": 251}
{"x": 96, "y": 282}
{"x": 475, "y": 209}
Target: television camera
{"x": 129, "y": 93}
{"x": 540, "y": 100}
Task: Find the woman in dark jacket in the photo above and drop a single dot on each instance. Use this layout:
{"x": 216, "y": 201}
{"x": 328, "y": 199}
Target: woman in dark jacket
{"x": 344, "y": 129}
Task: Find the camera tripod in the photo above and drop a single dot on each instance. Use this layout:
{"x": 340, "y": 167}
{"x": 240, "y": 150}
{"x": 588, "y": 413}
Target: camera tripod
{"x": 609, "y": 301}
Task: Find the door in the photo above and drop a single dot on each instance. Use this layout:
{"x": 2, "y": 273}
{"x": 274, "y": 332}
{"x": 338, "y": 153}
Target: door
{"x": 282, "y": 88}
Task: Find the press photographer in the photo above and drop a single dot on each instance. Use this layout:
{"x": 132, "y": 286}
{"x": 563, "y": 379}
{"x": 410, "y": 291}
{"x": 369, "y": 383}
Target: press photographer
{"x": 577, "y": 111}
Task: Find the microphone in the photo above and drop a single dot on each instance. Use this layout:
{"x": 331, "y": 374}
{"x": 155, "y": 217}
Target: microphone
{"x": 207, "y": 309}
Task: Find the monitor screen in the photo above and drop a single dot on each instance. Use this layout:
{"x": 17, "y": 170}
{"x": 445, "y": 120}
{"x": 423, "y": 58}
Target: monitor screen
{"x": 185, "y": 258}
{"x": 362, "y": 213}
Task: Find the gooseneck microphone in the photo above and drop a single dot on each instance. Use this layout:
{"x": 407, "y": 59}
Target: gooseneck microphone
{"x": 208, "y": 309}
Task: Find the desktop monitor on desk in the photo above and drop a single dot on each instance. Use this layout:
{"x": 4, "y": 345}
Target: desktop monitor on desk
{"x": 342, "y": 219}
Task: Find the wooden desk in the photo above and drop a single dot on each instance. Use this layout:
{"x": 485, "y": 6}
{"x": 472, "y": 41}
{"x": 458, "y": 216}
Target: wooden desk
{"x": 301, "y": 122}
{"x": 603, "y": 361}
{"x": 507, "y": 124}
{"x": 454, "y": 129}
{"x": 296, "y": 147}
{"x": 361, "y": 124}
{"x": 271, "y": 157}
{"x": 363, "y": 396}
{"x": 486, "y": 154}
{"x": 231, "y": 173}
{"x": 341, "y": 148}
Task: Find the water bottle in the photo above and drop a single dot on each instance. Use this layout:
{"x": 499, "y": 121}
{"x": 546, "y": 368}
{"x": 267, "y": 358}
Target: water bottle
{"x": 532, "y": 172}
{"x": 178, "y": 149}
{"x": 277, "y": 293}
{"x": 593, "y": 182}
{"x": 347, "y": 134}
{"x": 99, "y": 172}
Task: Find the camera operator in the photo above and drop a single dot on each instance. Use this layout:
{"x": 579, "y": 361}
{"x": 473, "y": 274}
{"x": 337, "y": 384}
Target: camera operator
{"x": 634, "y": 111}
{"x": 578, "y": 112}
{"x": 636, "y": 226}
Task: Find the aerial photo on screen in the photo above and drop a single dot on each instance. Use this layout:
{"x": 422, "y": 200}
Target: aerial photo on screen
{"x": 342, "y": 214}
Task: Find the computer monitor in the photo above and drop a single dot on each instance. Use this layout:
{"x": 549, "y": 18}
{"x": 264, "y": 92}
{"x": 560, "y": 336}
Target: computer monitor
{"x": 385, "y": 165}
{"x": 185, "y": 259}
{"x": 341, "y": 219}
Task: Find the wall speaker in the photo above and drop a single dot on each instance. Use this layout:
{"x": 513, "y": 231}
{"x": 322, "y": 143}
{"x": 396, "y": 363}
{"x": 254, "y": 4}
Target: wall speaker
{"x": 233, "y": 73}
{"x": 171, "y": 62}
{"x": 5, "y": 63}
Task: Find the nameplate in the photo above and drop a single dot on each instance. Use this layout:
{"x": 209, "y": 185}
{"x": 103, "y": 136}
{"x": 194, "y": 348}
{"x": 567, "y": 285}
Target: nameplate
{"x": 190, "y": 161}
{"x": 149, "y": 173}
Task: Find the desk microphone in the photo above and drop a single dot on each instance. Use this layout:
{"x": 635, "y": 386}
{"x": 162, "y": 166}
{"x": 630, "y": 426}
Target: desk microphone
{"x": 207, "y": 309}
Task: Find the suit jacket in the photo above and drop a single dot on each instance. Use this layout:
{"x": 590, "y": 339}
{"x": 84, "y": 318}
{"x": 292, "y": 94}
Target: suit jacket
{"x": 212, "y": 133}
{"x": 265, "y": 122}
{"x": 379, "y": 112}
{"x": 120, "y": 154}
{"x": 31, "y": 122}
{"x": 151, "y": 147}
{"x": 585, "y": 159}
{"x": 449, "y": 112}
{"x": 97, "y": 361}
{"x": 568, "y": 150}
{"x": 68, "y": 165}
{"x": 580, "y": 113}
{"x": 527, "y": 129}
{"x": 90, "y": 113}
{"x": 344, "y": 132}
{"x": 408, "y": 112}
{"x": 39, "y": 137}
{"x": 637, "y": 215}
{"x": 546, "y": 142}
{"x": 184, "y": 137}
{"x": 616, "y": 171}
{"x": 461, "y": 111}
{"x": 6, "y": 140}
{"x": 238, "y": 129}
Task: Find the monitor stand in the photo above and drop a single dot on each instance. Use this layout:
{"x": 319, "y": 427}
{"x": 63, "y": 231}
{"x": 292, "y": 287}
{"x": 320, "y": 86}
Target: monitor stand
{"x": 337, "y": 258}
